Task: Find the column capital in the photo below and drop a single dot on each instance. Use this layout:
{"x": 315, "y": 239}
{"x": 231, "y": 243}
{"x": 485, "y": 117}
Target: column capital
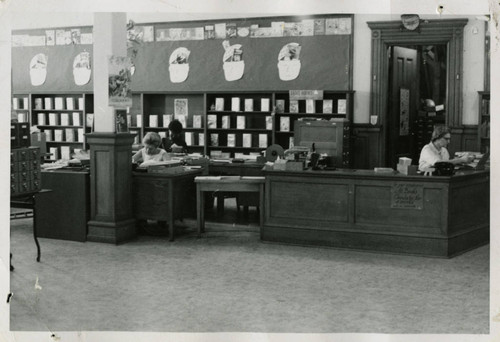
{"x": 104, "y": 138}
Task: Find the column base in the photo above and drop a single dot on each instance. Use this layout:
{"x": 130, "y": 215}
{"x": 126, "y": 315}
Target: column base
{"x": 111, "y": 232}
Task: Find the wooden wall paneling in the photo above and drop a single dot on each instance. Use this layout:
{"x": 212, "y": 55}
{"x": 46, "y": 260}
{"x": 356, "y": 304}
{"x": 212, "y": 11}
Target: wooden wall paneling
{"x": 366, "y": 140}
{"x": 487, "y": 56}
{"x": 469, "y": 140}
{"x": 484, "y": 121}
{"x": 463, "y": 138}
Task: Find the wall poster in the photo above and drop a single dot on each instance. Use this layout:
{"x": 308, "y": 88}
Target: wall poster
{"x": 82, "y": 68}
{"x": 121, "y": 121}
{"x": 404, "y": 111}
{"x": 120, "y": 94}
{"x": 38, "y": 69}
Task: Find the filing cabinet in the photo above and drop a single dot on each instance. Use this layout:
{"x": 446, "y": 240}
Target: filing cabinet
{"x": 25, "y": 171}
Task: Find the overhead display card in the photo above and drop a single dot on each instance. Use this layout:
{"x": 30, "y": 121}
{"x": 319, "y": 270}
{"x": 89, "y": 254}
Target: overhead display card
{"x": 306, "y": 94}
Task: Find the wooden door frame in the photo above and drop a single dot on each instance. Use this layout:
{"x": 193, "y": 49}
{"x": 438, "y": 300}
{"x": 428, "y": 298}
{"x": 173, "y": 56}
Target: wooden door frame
{"x": 429, "y": 32}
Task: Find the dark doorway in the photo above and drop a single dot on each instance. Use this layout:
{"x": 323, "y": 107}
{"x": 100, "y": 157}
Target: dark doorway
{"x": 417, "y": 94}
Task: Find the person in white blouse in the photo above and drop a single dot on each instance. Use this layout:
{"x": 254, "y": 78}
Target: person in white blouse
{"x": 436, "y": 150}
{"x": 151, "y": 150}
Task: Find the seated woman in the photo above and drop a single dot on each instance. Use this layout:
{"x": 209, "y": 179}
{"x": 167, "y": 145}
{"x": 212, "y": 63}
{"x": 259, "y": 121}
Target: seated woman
{"x": 151, "y": 150}
{"x": 175, "y": 143}
{"x": 436, "y": 150}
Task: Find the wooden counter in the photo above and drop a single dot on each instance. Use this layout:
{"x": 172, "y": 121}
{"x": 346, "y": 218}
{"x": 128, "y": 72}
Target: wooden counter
{"x": 361, "y": 209}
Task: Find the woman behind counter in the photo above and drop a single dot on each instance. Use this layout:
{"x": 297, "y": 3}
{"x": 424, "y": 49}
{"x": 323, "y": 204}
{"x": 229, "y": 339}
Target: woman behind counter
{"x": 436, "y": 150}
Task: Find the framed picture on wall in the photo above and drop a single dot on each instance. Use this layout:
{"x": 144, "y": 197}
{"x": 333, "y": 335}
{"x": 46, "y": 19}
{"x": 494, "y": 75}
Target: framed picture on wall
{"x": 121, "y": 121}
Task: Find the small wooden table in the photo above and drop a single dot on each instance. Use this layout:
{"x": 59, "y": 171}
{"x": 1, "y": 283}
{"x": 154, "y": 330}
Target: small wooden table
{"x": 227, "y": 184}
{"x": 248, "y": 168}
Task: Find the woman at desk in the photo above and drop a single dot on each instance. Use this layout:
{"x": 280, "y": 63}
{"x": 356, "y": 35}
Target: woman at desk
{"x": 436, "y": 150}
{"x": 175, "y": 143}
{"x": 151, "y": 150}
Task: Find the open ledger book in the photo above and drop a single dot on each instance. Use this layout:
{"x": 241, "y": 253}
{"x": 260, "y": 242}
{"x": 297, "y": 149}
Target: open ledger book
{"x": 159, "y": 163}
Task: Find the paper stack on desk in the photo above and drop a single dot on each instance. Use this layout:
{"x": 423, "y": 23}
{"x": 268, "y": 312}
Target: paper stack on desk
{"x": 169, "y": 170}
{"x": 404, "y": 165}
{"x": 162, "y": 166}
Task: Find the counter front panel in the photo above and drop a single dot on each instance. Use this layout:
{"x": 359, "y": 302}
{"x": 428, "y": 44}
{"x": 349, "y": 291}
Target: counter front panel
{"x": 309, "y": 201}
{"x": 435, "y": 216}
{"x": 375, "y": 205}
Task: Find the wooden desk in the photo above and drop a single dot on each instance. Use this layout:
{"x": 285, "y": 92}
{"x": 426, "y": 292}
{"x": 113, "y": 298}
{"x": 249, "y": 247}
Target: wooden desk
{"x": 164, "y": 196}
{"x": 361, "y": 209}
{"x": 227, "y": 184}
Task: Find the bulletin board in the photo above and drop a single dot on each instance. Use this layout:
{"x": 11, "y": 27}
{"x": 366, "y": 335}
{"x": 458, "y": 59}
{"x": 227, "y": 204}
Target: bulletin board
{"x": 60, "y": 59}
{"x": 326, "y": 59}
{"x": 325, "y": 56}
{"x": 323, "y": 66}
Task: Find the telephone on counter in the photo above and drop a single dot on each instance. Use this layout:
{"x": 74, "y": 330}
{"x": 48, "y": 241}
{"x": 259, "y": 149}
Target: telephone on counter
{"x": 314, "y": 158}
{"x": 444, "y": 168}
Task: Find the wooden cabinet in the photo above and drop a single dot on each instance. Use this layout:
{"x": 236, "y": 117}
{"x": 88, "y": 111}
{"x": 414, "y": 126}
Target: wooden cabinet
{"x": 64, "y": 118}
{"x": 238, "y": 123}
{"x": 64, "y": 212}
{"x": 232, "y": 124}
{"x": 21, "y": 106}
{"x": 424, "y": 126}
{"x": 152, "y": 112}
{"x": 332, "y": 137}
{"x": 249, "y": 122}
{"x": 333, "y": 105}
{"x": 25, "y": 173}
{"x": 217, "y": 124}
{"x": 484, "y": 121}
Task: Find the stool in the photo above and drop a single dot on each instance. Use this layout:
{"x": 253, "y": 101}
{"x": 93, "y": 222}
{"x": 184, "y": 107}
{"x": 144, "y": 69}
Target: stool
{"x": 220, "y": 196}
{"x": 248, "y": 199}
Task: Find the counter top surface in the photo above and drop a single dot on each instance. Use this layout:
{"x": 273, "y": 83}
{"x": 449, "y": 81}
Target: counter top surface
{"x": 359, "y": 173}
{"x": 72, "y": 170}
{"x": 229, "y": 179}
{"x": 168, "y": 174}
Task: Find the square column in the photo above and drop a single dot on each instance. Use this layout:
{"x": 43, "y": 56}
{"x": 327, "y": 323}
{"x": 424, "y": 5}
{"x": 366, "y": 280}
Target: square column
{"x": 111, "y": 214}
